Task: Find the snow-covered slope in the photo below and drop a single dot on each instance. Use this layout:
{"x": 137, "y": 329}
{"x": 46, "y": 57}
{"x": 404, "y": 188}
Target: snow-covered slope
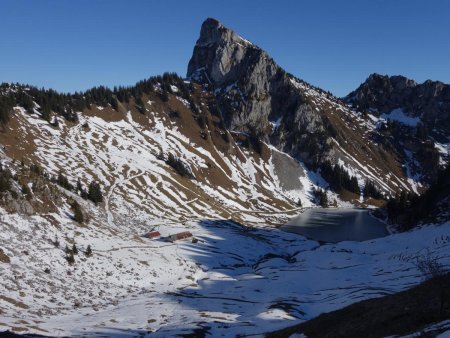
{"x": 127, "y": 153}
{"x": 234, "y": 280}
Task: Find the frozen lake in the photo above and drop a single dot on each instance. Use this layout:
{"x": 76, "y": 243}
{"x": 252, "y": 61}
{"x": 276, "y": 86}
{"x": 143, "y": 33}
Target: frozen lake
{"x": 337, "y": 225}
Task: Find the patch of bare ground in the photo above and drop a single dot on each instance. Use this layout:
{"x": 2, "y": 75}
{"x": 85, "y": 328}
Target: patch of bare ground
{"x": 107, "y": 113}
{"x": 397, "y": 314}
{"x": 3, "y": 257}
{"x": 16, "y": 143}
{"x": 14, "y": 302}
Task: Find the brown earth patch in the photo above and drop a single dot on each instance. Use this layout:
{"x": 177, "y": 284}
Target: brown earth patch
{"x": 4, "y": 258}
{"x": 107, "y": 114}
{"x": 14, "y": 302}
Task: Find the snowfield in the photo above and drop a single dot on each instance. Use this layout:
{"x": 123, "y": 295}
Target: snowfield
{"x": 234, "y": 280}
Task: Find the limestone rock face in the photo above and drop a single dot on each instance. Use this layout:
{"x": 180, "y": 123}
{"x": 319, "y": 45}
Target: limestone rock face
{"x": 219, "y": 51}
{"x": 253, "y": 92}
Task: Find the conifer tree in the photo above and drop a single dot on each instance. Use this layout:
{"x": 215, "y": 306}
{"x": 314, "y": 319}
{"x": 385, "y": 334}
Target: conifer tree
{"x": 78, "y": 213}
{"x": 88, "y": 251}
{"x": 79, "y": 186}
{"x": 323, "y": 200}
{"x": 74, "y": 249}
{"x": 95, "y": 192}
{"x": 70, "y": 258}
{"x": 56, "y": 242}
{"x": 5, "y": 176}
{"x": 6, "y": 106}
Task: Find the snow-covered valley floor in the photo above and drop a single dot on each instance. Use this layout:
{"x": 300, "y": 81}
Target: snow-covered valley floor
{"x": 234, "y": 280}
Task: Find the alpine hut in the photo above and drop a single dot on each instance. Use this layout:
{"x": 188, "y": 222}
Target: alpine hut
{"x": 179, "y": 236}
{"x": 152, "y": 234}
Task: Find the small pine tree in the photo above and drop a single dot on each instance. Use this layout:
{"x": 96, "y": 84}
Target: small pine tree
{"x": 324, "y": 200}
{"x": 88, "y": 251}
{"x": 64, "y": 182}
{"x": 74, "y": 249}
{"x": 321, "y": 197}
{"x": 79, "y": 185}
{"x": 78, "y": 213}
{"x": 56, "y": 242}
{"x": 5, "y": 183}
{"x": 70, "y": 258}
{"x": 114, "y": 104}
{"x": 95, "y": 192}
{"x": 354, "y": 186}
{"x": 55, "y": 122}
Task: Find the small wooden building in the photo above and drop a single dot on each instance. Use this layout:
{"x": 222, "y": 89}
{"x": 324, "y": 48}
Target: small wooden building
{"x": 179, "y": 236}
{"x": 152, "y": 234}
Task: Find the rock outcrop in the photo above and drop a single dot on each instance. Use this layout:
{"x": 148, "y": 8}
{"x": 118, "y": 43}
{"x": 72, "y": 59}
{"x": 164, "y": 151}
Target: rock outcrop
{"x": 430, "y": 101}
{"x": 253, "y": 92}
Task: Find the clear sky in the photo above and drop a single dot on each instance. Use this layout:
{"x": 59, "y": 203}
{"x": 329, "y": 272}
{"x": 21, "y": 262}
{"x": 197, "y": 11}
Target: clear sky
{"x": 74, "y": 45}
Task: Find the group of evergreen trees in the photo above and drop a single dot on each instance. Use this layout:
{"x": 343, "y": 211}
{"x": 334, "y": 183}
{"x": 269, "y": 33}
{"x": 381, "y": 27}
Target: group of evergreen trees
{"x": 6, "y": 106}
{"x": 66, "y": 105}
{"x": 338, "y": 178}
{"x": 73, "y": 251}
{"x": 179, "y": 166}
{"x": 321, "y": 197}
{"x": 370, "y": 190}
{"x": 408, "y": 209}
{"x": 93, "y": 193}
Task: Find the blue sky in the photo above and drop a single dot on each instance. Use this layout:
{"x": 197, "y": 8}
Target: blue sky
{"x": 74, "y": 45}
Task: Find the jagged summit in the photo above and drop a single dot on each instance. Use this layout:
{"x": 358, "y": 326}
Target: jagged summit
{"x": 218, "y": 51}
{"x": 429, "y": 101}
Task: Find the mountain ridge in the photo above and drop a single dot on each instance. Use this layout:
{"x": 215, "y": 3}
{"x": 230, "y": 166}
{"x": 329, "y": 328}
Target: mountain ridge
{"x": 429, "y": 101}
{"x": 258, "y": 97}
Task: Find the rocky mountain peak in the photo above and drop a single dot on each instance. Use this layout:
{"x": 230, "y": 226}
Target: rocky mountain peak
{"x": 218, "y": 53}
{"x": 257, "y": 97}
{"x": 429, "y": 101}
{"x": 384, "y": 84}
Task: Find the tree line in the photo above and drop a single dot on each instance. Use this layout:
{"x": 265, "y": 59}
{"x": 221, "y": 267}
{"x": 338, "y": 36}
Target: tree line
{"x": 66, "y": 105}
{"x": 408, "y": 209}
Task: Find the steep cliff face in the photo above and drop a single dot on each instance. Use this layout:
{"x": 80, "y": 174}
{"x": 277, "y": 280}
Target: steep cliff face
{"x": 240, "y": 72}
{"x": 429, "y": 102}
{"x": 256, "y": 96}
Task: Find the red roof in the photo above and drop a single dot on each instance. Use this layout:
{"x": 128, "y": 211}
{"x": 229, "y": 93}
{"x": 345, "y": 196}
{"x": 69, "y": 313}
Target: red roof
{"x": 152, "y": 234}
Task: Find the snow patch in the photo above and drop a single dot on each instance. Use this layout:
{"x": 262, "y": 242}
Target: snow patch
{"x": 400, "y": 116}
